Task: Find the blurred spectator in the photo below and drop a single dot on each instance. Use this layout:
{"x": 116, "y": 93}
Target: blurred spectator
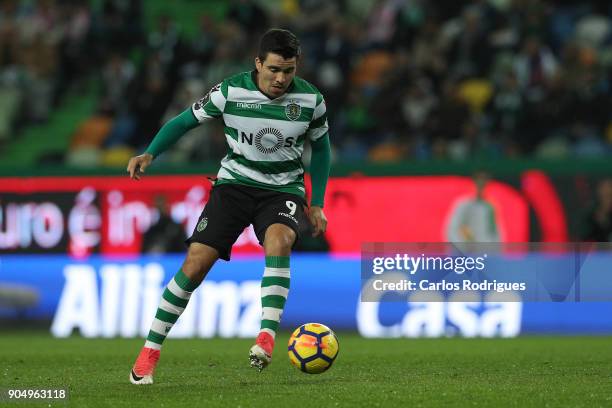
{"x": 166, "y": 43}
{"x": 335, "y": 62}
{"x": 586, "y": 141}
{"x": 535, "y": 66}
{"x": 427, "y": 52}
{"x": 117, "y": 76}
{"x": 85, "y": 146}
{"x": 249, "y": 16}
{"x": 370, "y": 70}
{"x": 594, "y": 29}
{"x": 417, "y": 103}
{"x": 356, "y": 126}
{"x": 597, "y": 222}
{"x": 165, "y": 235}
{"x": 447, "y": 120}
{"x": 76, "y": 17}
{"x": 311, "y": 24}
{"x": 203, "y": 43}
{"x": 473, "y": 220}
{"x": 117, "y": 26}
{"x": 507, "y": 107}
{"x": 11, "y": 92}
{"x": 39, "y": 37}
{"x": 381, "y": 23}
{"x": 469, "y": 54}
{"x": 10, "y": 100}
{"x": 118, "y": 81}
{"x": 229, "y": 55}
{"x": 153, "y": 93}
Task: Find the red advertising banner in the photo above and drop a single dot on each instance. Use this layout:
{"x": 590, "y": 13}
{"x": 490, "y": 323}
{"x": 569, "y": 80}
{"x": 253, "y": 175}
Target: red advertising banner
{"x": 96, "y": 214}
{"x": 84, "y": 215}
{"x": 413, "y": 209}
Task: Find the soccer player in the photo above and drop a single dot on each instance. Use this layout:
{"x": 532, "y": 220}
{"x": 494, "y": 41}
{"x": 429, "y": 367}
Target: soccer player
{"x": 267, "y": 114}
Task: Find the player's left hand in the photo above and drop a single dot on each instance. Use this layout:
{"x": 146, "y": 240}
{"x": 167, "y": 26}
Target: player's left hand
{"x": 318, "y": 220}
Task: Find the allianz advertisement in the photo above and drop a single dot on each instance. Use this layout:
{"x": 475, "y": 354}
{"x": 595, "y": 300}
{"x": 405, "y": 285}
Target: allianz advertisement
{"x": 117, "y": 297}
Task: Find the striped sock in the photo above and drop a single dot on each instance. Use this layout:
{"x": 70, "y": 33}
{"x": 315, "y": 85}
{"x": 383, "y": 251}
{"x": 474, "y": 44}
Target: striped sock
{"x": 274, "y": 291}
{"x": 174, "y": 300}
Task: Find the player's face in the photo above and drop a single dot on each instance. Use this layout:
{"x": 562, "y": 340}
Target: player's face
{"x": 275, "y": 73}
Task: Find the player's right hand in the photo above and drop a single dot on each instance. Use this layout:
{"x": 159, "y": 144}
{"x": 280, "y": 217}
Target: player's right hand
{"x": 138, "y": 164}
{"x": 318, "y": 220}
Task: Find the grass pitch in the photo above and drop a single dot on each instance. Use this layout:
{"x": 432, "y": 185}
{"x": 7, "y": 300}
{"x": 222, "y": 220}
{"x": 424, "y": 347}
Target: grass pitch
{"x": 523, "y": 372}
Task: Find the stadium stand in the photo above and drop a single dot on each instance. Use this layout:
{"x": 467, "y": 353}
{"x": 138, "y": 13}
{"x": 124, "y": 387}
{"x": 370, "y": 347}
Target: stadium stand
{"x": 404, "y": 80}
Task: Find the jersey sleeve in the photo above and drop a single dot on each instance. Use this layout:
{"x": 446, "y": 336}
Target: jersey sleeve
{"x": 211, "y": 106}
{"x": 318, "y": 125}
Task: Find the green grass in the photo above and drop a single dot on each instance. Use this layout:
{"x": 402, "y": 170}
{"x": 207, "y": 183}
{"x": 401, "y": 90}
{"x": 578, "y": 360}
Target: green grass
{"x": 523, "y": 372}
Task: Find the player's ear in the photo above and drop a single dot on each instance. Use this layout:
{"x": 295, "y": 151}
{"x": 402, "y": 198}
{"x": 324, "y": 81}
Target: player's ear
{"x": 258, "y": 64}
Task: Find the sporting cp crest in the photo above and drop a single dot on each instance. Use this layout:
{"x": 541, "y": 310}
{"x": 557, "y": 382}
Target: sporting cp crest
{"x": 293, "y": 110}
{"x": 202, "y": 224}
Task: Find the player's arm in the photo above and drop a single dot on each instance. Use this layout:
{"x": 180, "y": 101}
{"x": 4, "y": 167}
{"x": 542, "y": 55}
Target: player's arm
{"x": 319, "y": 165}
{"x": 493, "y": 231}
{"x": 209, "y": 107}
{"x": 163, "y": 140}
{"x": 456, "y": 227}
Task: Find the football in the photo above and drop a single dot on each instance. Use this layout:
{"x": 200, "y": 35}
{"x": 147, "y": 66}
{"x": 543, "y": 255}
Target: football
{"x": 313, "y": 347}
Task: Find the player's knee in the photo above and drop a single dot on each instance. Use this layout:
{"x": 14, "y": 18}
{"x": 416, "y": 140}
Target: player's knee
{"x": 279, "y": 240}
{"x": 200, "y": 258}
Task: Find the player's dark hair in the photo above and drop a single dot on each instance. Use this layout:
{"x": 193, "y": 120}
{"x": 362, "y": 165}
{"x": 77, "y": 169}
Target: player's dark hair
{"x": 278, "y": 41}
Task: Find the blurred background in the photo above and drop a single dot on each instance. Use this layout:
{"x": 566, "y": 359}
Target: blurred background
{"x": 479, "y": 120}
{"x": 86, "y": 83}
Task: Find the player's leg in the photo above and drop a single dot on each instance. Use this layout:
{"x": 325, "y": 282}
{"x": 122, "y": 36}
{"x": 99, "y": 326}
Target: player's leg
{"x": 176, "y": 295}
{"x": 225, "y": 216}
{"x": 279, "y": 240}
{"x": 281, "y": 220}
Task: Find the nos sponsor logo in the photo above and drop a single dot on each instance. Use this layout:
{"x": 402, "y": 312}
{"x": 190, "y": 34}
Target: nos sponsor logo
{"x": 267, "y": 140}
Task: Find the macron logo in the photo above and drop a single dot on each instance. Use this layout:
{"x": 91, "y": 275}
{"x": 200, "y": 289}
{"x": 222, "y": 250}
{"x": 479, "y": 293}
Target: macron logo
{"x": 244, "y": 105}
{"x": 292, "y": 218}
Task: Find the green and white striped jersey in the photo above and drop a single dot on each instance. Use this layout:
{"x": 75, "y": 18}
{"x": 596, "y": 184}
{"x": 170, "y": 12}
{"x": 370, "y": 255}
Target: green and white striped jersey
{"x": 265, "y": 136}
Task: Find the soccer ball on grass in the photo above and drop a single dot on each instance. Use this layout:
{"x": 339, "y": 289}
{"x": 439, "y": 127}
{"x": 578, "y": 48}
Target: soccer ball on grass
{"x": 313, "y": 347}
